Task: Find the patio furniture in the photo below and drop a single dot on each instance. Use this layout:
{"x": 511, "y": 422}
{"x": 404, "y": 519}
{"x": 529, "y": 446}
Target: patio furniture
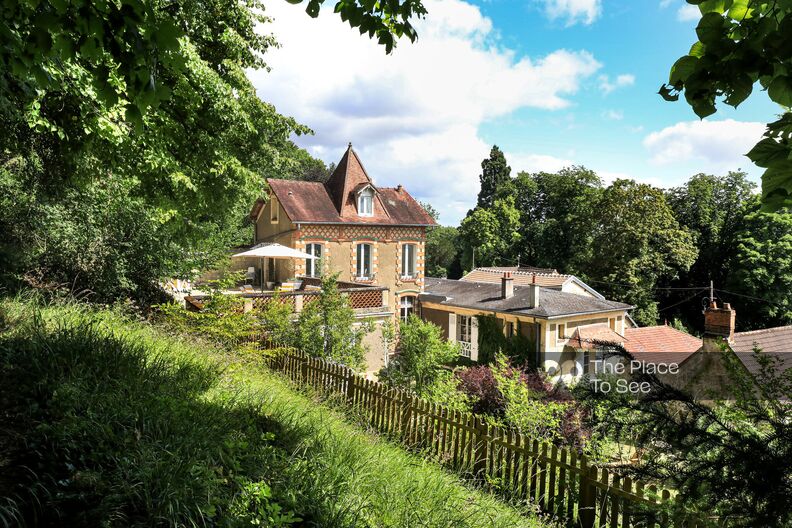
{"x": 273, "y": 251}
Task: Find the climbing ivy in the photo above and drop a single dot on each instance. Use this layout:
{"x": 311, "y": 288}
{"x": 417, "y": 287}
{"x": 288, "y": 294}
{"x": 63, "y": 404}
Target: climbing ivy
{"x": 492, "y": 341}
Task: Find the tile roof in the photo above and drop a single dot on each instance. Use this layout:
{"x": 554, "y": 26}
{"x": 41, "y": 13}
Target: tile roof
{"x": 587, "y": 337}
{"x": 334, "y": 202}
{"x": 523, "y": 276}
{"x": 487, "y": 296}
{"x": 664, "y": 343}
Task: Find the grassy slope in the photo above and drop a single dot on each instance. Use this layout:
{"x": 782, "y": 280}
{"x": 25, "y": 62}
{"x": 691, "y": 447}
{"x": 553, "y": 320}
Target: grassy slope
{"x": 178, "y": 428}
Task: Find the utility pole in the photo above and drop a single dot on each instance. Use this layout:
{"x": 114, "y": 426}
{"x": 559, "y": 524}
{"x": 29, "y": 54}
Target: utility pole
{"x": 474, "y": 258}
{"x": 712, "y": 291}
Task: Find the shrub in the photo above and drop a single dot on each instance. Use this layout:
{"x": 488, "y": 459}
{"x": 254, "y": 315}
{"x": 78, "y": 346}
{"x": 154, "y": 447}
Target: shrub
{"x": 479, "y": 384}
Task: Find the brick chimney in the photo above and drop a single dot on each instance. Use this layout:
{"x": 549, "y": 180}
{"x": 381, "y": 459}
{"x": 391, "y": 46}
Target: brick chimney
{"x": 534, "y": 296}
{"x": 718, "y": 324}
{"x": 507, "y": 285}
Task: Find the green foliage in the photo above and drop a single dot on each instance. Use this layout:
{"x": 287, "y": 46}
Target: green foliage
{"x": 491, "y": 232}
{"x": 638, "y": 243}
{"x": 222, "y": 320}
{"x": 442, "y": 244}
{"x": 727, "y": 458}
{"x": 165, "y": 431}
{"x": 762, "y": 265}
{"x": 421, "y": 354}
{"x": 557, "y": 217}
{"x": 492, "y": 341}
{"x": 494, "y": 173}
{"x": 277, "y": 321}
{"x": 134, "y": 142}
{"x": 444, "y": 390}
{"x": 712, "y": 208}
{"x": 739, "y": 43}
{"x": 327, "y": 328}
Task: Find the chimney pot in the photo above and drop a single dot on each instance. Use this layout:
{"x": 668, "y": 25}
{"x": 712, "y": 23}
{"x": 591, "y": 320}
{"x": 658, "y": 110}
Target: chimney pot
{"x": 507, "y": 285}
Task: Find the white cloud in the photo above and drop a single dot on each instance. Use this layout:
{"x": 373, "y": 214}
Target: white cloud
{"x": 613, "y": 115}
{"x": 520, "y": 162}
{"x": 607, "y": 86}
{"x": 573, "y": 11}
{"x": 714, "y": 146}
{"x": 413, "y": 116}
{"x": 687, "y": 13}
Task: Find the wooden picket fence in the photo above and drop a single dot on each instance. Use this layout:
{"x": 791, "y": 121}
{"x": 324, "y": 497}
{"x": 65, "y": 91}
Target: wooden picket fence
{"x": 559, "y": 480}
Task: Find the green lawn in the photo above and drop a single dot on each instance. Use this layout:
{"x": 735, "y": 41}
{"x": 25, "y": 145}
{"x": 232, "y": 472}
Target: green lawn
{"x": 109, "y": 421}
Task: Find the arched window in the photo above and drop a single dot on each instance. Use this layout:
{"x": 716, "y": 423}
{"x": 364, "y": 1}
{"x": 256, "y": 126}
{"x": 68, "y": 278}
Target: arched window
{"x": 365, "y": 203}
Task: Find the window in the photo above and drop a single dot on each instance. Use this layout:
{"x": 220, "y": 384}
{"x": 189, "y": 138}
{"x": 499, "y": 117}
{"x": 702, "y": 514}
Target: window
{"x": 312, "y": 266}
{"x": 364, "y": 261}
{"x": 407, "y": 307}
{"x": 561, "y": 332}
{"x": 464, "y": 324}
{"x": 366, "y": 202}
{"x": 612, "y": 323}
{"x": 408, "y": 261}
{"x": 274, "y": 210}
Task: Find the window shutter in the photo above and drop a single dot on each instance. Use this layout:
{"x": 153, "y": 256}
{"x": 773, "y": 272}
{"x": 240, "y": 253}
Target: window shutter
{"x": 474, "y": 338}
{"x": 452, "y": 333}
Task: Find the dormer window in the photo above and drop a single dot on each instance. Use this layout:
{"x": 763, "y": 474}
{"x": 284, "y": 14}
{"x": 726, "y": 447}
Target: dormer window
{"x": 365, "y": 202}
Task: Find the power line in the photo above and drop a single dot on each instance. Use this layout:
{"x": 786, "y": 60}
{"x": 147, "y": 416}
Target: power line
{"x": 664, "y": 288}
{"x": 746, "y": 296}
{"x": 684, "y": 300}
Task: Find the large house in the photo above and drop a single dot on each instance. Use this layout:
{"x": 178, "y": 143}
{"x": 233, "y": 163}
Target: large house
{"x": 369, "y": 235}
{"x": 562, "y": 318}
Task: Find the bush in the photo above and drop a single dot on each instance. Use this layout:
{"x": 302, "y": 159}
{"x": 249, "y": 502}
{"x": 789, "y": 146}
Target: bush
{"x": 479, "y": 384}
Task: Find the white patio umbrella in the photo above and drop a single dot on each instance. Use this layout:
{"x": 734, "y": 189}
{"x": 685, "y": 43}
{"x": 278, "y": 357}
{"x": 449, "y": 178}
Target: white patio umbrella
{"x": 273, "y": 251}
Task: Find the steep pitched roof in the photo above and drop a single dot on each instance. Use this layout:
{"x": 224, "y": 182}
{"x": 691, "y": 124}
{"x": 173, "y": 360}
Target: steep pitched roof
{"x": 334, "y": 202}
{"x": 487, "y": 297}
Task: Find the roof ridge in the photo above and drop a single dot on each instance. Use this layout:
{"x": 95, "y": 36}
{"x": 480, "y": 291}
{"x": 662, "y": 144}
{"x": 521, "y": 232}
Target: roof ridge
{"x": 543, "y": 274}
{"x": 747, "y": 332}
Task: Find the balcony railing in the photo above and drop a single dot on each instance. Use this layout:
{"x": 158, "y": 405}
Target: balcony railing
{"x": 465, "y": 348}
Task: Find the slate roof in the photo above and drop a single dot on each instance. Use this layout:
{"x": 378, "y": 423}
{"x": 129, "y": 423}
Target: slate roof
{"x": 334, "y": 202}
{"x": 778, "y": 339}
{"x": 487, "y": 296}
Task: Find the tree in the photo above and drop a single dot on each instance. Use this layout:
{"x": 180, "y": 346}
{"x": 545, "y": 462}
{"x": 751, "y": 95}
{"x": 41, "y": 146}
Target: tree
{"x": 637, "y": 242}
{"x": 556, "y": 217}
{"x": 147, "y": 147}
{"x": 491, "y": 232}
{"x": 731, "y": 459}
{"x": 494, "y": 173}
{"x": 441, "y": 250}
{"x": 712, "y": 208}
{"x": 326, "y": 328}
{"x": 762, "y": 265}
{"x": 739, "y": 43}
{"x": 421, "y": 353}
{"x": 430, "y": 210}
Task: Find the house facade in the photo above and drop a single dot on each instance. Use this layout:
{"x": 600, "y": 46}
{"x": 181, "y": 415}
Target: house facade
{"x": 367, "y": 234}
{"x": 563, "y": 329}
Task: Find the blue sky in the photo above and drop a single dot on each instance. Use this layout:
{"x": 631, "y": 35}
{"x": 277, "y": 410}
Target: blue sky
{"x": 552, "y": 82}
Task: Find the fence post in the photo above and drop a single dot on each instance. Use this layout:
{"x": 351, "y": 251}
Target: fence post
{"x": 350, "y": 388}
{"x": 586, "y": 503}
{"x": 480, "y": 464}
{"x": 304, "y": 371}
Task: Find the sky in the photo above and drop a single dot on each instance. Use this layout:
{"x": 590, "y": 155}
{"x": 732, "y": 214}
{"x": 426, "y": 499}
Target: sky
{"x": 553, "y": 83}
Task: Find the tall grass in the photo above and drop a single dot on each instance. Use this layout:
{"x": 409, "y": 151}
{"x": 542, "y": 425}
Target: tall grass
{"x": 111, "y": 422}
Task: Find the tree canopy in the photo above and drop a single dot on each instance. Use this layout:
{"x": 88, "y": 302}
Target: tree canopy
{"x": 740, "y": 43}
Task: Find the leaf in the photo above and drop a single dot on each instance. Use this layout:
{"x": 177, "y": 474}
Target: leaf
{"x": 741, "y": 88}
{"x": 313, "y": 8}
{"x": 780, "y": 90}
{"x": 739, "y": 10}
{"x": 712, "y": 6}
{"x": 710, "y": 29}
{"x": 682, "y": 69}
{"x": 777, "y": 188}
{"x": 769, "y": 152}
{"x": 697, "y": 49}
